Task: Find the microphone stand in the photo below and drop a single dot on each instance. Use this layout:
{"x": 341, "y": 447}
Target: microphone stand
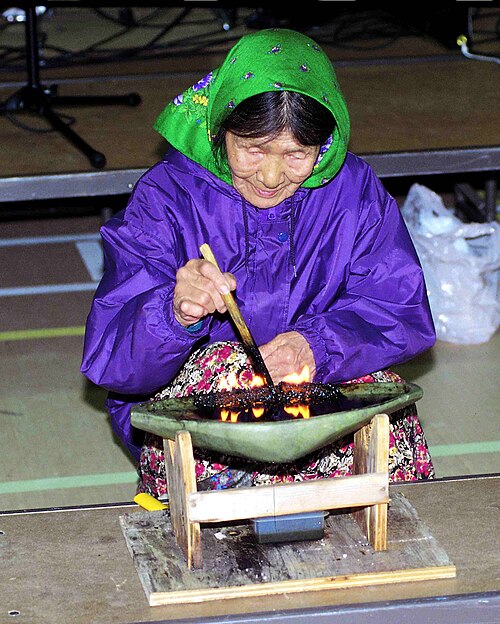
{"x": 34, "y": 97}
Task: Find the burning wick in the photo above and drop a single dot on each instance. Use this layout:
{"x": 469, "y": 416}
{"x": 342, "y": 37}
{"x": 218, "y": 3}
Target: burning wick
{"x": 225, "y": 414}
{"x": 258, "y": 411}
{"x": 298, "y": 410}
{"x": 298, "y": 378}
{"x": 231, "y": 382}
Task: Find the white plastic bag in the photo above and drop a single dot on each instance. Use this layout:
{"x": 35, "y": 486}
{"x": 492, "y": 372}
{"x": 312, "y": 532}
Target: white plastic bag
{"x": 461, "y": 263}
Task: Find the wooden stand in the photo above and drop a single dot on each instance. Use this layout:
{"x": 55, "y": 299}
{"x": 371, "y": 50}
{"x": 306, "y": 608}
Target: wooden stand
{"x": 367, "y": 489}
{"x": 236, "y": 565}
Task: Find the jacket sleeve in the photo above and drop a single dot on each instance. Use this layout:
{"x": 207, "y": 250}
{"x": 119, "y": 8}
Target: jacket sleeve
{"x": 133, "y": 343}
{"x": 381, "y": 316}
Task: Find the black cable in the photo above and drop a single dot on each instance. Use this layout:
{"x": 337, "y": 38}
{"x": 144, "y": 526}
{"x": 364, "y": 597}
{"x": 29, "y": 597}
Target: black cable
{"x": 10, "y": 51}
{"x": 200, "y": 49}
{"x": 357, "y": 31}
{"x": 73, "y": 56}
{"x": 475, "y": 43}
{"x": 137, "y": 22}
{"x": 69, "y": 57}
{"x": 175, "y": 22}
{"x": 97, "y": 44}
{"x": 105, "y": 16}
{"x": 214, "y": 39}
{"x": 366, "y": 26}
{"x": 175, "y": 48}
{"x": 164, "y": 30}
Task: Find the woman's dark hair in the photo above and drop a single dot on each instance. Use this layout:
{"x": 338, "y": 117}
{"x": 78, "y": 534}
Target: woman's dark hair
{"x": 271, "y": 112}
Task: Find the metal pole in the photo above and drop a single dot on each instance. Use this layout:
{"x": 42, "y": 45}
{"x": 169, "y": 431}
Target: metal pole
{"x": 491, "y": 199}
{"x": 32, "y": 47}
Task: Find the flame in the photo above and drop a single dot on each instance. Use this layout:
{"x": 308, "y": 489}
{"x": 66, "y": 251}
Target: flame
{"x": 257, "y": 411}
{"x": 257, "y": 382}
{"x": 298, "y": 378}
{"x": 226, "y": 383}
{"x": 225, "y": 414}
{"x": 231, "y": 381}
{"x": 298, "y": 410}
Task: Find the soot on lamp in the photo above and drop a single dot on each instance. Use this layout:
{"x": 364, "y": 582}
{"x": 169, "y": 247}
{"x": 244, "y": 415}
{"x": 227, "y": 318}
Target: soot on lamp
{"x": 284, "y": 401}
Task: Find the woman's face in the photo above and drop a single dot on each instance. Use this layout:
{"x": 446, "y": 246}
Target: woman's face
{"x": 266, "y": 171}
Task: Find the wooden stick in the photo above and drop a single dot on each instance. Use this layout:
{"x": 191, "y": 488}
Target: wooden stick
{"x": 288, "y": 498}
{"x": 204, "y": 593}
{"x": 239, "y": 321}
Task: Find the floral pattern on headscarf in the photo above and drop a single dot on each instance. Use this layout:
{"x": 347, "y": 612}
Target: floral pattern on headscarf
{"x": 268, "y": 60}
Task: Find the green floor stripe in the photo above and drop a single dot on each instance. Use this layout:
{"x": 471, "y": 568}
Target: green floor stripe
{"x": 33, "y": 334}
{"x": 467, "y": 448}
{"x": 116, "y": 478}
{"x": 61, "y": 483}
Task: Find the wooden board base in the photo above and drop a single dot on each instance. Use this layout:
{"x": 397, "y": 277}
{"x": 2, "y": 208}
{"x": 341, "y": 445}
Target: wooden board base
{"x": 235, "y": 565}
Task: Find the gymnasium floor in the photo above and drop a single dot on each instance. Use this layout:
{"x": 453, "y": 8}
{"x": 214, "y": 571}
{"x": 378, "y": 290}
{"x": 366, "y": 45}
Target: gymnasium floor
{"x": 57, "y": 447}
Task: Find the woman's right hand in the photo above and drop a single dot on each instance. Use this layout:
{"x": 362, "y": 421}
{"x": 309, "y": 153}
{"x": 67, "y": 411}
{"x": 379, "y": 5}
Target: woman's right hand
{"x": 198, "y": 291}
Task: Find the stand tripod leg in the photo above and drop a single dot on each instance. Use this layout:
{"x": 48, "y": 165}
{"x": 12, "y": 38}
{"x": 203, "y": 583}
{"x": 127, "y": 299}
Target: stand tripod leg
{"x": 35, "y": 98}
{"x": 129, "y": 99}
{"x": 97, "y": 159}
{"x": 371, "y": 454}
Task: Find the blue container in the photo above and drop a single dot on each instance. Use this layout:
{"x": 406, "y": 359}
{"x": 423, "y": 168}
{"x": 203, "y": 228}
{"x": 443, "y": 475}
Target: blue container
{"x": 290, "y": 528}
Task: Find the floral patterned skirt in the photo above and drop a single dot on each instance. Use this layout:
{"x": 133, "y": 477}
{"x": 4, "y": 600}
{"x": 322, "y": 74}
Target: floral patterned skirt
{"x": 409, "y": 457}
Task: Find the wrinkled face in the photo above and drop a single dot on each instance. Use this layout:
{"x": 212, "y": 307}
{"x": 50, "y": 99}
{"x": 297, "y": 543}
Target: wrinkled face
{"x": 266, "y": 171}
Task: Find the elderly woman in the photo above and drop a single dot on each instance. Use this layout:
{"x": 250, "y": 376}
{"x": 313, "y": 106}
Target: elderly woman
{"x": 310, "y": 242}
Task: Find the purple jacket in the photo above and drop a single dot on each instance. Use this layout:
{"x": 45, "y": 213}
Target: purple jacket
{"x": 343, "y": 272}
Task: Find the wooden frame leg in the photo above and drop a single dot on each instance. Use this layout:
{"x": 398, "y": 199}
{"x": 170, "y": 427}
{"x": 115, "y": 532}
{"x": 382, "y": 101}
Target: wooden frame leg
{"x": 371, "y": 458}
{"x": 181, "y": 482}
{"x": 371, "y": 454}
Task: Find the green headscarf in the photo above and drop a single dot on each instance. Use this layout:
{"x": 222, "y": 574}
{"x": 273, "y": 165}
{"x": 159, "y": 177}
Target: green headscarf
{"x": 267, "y": 60}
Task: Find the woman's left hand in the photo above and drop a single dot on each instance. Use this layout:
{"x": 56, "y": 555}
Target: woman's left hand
{"x": 288, "y": 353}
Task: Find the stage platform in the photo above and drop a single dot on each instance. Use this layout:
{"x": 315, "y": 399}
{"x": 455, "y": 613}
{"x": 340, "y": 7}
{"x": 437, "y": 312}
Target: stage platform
{"x": 72, "y": 565}
{"x": 417, "y": 109}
